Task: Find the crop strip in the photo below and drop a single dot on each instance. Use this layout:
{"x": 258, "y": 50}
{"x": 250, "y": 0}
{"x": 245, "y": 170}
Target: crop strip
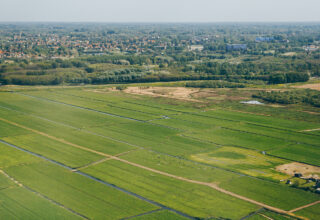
{"x": 154, "y": 151}
{"x": 100, "y": 181}
{"x": 211, "y": 185}
{"x": 101, "y": 112}
{"x": 146, "y": 213}
{"x": 42, "y": 196}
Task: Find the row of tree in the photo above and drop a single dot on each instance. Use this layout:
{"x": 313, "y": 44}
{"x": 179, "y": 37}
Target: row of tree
{"x": 307, "y": 96}
{"x": 215, "y": 84}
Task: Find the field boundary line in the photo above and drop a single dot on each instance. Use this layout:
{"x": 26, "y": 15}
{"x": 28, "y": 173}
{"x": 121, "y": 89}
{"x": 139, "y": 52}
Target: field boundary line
{"x": 211, "y": 185}
{"x": 42, "y": 196}
{"x": 127, "y": 152}
{"x": 305, "y": 206}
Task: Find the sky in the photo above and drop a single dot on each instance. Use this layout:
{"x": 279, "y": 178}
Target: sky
{"x": 160, "y": 10}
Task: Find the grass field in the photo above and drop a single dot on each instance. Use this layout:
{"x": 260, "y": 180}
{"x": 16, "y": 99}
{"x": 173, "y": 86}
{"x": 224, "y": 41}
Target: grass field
{"x": 19, "y": 203}
{"x": 74, "y": 191}
{"x": 161, "y": 152}
{"x": 243, "y": 160}
{"x": 198, "y": 201}
{"x": 274, "y": 194}
{"x": 160, "y": 215}
{"x": 311, "y": 212}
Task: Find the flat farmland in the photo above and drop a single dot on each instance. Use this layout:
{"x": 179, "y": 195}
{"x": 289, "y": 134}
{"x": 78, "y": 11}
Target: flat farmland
{"x": 100, "y": 153}
{"x": 198, "y": 201}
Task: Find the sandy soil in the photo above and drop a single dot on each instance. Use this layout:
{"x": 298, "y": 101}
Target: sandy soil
{"x": 180, "y": 93}
{"x": 304, "y": 169}
{"x": 315, "y": 86}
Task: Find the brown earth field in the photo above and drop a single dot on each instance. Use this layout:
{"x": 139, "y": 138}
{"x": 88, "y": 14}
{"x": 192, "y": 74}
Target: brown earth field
{"x": 180, "y": 93}
{"x": 295, "y": 167}
{"x": 315, "y": 86}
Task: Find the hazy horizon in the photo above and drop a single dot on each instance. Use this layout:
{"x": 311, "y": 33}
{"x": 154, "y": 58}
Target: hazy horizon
{"x": 151, "y": 11}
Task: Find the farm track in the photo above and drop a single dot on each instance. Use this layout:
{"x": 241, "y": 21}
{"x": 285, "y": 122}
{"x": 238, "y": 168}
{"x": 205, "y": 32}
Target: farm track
{"x": 211, "y": 185}
{"x": 267, "y": 217}
{"x": 98, "y": 180}
{"x": 316, "y": 129}
{"x": 91, "y": 164}
{"x": 41, "y": 195}
{"x": 305, "y": 206}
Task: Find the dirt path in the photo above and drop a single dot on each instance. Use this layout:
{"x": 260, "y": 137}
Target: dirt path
{"x": 316, "y": 129}
{"x": 92, "y": 164}
{"x": 267, "y": 217}
{"x": 211, "y": 185}
{"x": 305, "y": 206}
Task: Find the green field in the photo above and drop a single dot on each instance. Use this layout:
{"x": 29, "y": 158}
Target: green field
{"x": 311, "y": 212}
{"x": 198, "y": 201}
{"x": 160, "y": 215}
{"x": 51, "y": 135}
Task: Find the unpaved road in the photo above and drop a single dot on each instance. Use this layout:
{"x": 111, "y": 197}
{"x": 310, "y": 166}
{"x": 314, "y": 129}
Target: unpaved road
{"x": 305, "y": 206}
{"x": 211, "y": 185}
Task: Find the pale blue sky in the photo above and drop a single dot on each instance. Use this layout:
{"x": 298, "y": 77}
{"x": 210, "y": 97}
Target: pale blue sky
{"x": 159, "y": 10}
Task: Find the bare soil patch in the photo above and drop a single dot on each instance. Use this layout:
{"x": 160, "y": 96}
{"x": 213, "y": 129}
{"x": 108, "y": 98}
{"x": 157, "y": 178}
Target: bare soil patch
{"x": 306, "y": 170}
{"x": 180, "y": 93}
{"x": 315, "y": 86}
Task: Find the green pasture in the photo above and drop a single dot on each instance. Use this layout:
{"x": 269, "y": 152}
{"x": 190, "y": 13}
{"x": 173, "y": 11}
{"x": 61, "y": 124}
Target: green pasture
{"x": 312, "y": 212}
{"x": 19, "y": 203}
{"x": 161, "y": 215}
{"x": 243, "y": 160}
{"x": 88, "y": 197}
{"x": 195, "y": 200}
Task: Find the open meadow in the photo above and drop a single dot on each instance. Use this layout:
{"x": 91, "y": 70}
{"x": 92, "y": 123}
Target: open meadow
{"x": 95, "y": 152}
